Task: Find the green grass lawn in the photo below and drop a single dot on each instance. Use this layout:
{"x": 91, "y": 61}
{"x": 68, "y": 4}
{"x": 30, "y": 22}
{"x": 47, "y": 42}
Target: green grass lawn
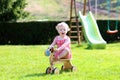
{"x": 29, "y": 63}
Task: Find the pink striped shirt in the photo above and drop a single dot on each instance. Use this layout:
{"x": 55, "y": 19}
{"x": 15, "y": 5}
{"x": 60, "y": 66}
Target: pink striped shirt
{"x": 62, "y": 43}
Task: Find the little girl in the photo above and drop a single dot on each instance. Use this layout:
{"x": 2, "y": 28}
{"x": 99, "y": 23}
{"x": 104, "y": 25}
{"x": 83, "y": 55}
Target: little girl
{"x": 63, "y": 42}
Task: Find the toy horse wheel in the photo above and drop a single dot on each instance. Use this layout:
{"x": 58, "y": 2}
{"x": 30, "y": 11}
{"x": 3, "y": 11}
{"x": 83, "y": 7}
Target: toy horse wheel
{"x": 73, "y": 69}
{"x": 55, "y": 71}
{"x": 48, "y": 70}
{"x": 62, "y": 67}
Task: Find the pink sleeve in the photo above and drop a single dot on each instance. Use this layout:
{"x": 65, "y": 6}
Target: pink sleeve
{"x": 67, "y": 41}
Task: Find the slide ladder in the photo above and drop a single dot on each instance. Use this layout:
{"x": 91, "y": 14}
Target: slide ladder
{"x": 75, "y": 32}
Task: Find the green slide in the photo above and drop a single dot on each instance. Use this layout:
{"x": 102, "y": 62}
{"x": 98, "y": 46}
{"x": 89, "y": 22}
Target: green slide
{"x": 91, "y": 31}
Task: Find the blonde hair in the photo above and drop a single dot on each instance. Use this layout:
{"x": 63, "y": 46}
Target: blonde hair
{"x": 62, "y": 24}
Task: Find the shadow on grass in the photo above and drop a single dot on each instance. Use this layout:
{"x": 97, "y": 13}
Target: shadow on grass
{"x": 44, "y": 74}
{"x": 36, "y": 74}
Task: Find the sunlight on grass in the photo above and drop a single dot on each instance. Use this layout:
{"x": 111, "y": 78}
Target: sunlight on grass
{"x": 29, "y": 63}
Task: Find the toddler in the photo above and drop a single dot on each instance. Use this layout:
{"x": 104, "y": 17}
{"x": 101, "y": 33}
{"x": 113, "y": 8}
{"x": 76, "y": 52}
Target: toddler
{"x": 62, "y": 41}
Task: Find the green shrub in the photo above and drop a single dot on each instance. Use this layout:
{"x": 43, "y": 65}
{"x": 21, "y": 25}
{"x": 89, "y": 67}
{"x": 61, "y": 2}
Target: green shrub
{"x": 12, "y": 10}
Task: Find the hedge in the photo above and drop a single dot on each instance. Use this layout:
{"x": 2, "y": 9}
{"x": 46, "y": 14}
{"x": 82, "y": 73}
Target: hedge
{"x": 102, "y": 24}
{"x": 29, "y": 33}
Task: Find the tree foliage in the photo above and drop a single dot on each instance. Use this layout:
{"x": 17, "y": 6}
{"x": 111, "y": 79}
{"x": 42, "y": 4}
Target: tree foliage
{"x": 12, "y": 10}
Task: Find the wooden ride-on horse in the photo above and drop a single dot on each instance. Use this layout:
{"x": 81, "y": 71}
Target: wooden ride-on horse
{"x": 67, "y": 65}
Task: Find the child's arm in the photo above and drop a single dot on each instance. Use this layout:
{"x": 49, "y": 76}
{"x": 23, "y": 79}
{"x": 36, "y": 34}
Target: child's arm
{"x": 53, "y": 43}
{"x": 65, "y": 44}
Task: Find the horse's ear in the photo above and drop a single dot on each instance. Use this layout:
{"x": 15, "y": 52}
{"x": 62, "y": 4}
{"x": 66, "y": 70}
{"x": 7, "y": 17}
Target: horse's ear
{"x": 52, "y": 50}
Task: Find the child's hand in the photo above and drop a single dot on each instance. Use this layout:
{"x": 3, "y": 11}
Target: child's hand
{"x": 49, "y": 48}
{"x": 56, "y": 50}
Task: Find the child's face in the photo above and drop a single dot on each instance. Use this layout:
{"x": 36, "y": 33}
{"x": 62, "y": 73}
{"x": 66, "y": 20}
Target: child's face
{"x": 62, "y": 30}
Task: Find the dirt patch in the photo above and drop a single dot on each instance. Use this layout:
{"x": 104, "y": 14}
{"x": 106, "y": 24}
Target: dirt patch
{"x": 34, "y": 7}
